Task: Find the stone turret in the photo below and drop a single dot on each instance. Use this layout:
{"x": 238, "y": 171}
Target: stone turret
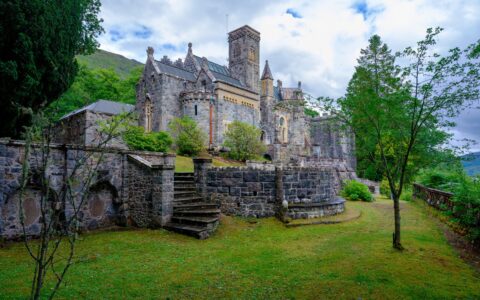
{"x": 267, "y": 102}
{"x": 267, "y": 81}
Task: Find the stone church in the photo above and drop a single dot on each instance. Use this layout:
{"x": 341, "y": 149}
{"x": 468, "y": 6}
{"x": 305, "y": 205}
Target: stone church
{"x": 311, "y": 155}
{"x": 215, "y": 95}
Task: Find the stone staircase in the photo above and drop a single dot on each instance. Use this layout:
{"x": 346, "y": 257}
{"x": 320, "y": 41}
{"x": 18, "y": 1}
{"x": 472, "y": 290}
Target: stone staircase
{"x": 191, "y": 214}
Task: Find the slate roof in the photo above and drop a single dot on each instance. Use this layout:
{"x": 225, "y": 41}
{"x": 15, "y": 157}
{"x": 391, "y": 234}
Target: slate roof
{"x": 267, "y": 74}
{"x": 221, "y": 73}
{"x": 174, "y": 71}
{"x": 105, "y": 107}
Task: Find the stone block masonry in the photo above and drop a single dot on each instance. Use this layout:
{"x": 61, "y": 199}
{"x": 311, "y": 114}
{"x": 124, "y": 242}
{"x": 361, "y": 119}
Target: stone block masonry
{"x": 131, "y": 188}
{"x": 256, "y": 191}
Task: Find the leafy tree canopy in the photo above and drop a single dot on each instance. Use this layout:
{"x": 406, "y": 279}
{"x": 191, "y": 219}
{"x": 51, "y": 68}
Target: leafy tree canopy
{"x": 399, "y": 113}
{"x": 91, "y": 85}
{"x": 38, "y": 43}
{"x": 188, "y": 138}
{"x": 244, "y": 141}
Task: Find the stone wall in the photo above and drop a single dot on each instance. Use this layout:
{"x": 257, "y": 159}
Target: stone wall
{"x": 83, "y": 129}
{"x": 110, "y": 200}
{"x": 245, "y": 192}
{"x": 259, "y": 189}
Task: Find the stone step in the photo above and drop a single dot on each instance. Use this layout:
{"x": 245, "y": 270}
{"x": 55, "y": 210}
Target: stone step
{"x": 187, "y": 199}
{"x": 184, "y": 178}
{"x": 198, "y": 213}
{"x": 199, "y": 232}
{"x": 194, "y": 206}
{"x": 195, "y": 219}
{"x": 184, "y": 184}
{"x": 191, "y": 174}
{"x": 210, "y": 222}
{"x": 184, "y": 193}
{"x": 182, "y": 181}
{"x": 184, "y": 188}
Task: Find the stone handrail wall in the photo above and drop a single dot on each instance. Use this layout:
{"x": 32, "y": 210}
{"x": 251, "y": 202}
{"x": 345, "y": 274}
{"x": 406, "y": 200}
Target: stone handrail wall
{"x": 436, "y": 198}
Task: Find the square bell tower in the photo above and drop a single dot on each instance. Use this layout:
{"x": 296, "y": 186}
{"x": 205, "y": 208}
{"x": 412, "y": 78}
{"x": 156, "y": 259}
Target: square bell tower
{"x": 244, "y": 56}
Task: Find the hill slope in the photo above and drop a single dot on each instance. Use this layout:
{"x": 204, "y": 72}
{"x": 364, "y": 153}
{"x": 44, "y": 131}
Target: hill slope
{"x": 102, "y": 59}
{"x": 471, "y": 164}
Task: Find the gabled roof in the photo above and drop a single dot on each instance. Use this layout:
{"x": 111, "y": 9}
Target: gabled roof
{"x": 221, "y": 73}
{"x": 174, "y": 71}
{"x": 105, "y": 107}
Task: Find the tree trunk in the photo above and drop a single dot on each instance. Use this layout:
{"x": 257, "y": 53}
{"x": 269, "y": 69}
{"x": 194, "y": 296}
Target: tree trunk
{"x": 396, "y": 235}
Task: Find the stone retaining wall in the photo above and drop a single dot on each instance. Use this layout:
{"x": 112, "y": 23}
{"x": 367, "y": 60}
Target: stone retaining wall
{"x": 259, "y": 189}
{"x": 124, "y": 192}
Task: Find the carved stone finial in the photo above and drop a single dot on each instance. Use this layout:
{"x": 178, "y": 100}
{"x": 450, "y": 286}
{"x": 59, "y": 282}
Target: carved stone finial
{"x": 279, "y": 83}
{"x": 190, "y": 47}
{"x": 299, "y": 84}
{"x": 150, "y": 50}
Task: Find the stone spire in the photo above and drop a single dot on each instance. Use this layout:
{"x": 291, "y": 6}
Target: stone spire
{"x": 267, "y": 74}
{"x": 190, "y": 48}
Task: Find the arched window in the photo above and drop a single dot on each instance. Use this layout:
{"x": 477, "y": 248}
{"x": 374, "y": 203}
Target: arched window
{"x": 148, "y": 115}
{"x": 251, "y": 54}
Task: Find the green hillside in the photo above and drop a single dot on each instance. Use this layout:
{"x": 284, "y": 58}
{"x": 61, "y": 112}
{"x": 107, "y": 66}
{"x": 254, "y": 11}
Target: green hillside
{"x": 471, "y": 163}
{"x": 102, "y": 59}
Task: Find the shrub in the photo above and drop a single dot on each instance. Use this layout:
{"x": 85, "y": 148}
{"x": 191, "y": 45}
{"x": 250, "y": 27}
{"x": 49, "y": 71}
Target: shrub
{"x": 466, "y": 208}
{"x": 189, "y": 139}
{"x": 244, "y": 141}
{"x": 406, "y": 195}
{"x": 385, "y": 188}
{"x": 354, "y": 190}
{"x": 137, "y": 139}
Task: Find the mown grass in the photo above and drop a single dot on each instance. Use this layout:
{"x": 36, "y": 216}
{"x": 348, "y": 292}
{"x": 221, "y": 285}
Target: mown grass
{"x": 263, "y": 260}
{"x": 185, "y": 164}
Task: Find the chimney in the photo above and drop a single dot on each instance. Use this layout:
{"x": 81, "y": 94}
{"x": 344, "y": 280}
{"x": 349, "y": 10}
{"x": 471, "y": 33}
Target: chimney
{"x": 299, "y": 85}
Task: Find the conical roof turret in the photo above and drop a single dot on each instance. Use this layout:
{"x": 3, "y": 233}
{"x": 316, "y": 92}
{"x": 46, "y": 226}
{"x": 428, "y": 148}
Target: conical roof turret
{"x": 267, "y": 74}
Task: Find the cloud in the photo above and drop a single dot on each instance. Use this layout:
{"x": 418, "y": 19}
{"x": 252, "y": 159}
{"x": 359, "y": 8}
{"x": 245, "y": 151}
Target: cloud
{"x": 143, "y": 32}
{"x": 365, "y": 10}
{"x": 294, "y": 13}
{"x": 116, "y": 35}
{"x": 316, "y": 42}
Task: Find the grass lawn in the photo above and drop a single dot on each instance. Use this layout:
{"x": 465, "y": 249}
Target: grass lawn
{"x": 248, "y": 260}
{"x": 185, "y": 164}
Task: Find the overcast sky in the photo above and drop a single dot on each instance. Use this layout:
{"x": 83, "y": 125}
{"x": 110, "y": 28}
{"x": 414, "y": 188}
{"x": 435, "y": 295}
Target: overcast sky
{"x": 316, "y": 42}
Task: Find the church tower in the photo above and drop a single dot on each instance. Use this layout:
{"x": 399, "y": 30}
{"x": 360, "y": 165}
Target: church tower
{"x": 244, "y": 56}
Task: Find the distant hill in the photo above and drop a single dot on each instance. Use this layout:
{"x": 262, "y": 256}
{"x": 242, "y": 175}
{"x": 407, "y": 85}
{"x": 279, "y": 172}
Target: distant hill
{"x": 471, "y": 163}
{"x": 102, "y": 59}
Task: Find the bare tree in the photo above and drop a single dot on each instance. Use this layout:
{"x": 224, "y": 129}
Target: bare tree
{"x": 57, "y": 227}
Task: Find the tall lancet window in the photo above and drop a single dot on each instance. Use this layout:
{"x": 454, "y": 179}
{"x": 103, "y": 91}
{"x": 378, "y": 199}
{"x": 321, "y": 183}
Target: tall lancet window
{"x": 148, "y": 115}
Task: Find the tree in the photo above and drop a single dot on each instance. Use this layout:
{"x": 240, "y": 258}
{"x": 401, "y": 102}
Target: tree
{"x": 403, "y": 110}
{"x": 189, "y": 140}
{"x": 91, "y": 85}
{"x": 244, "y": 141}
{"x": 56, "y": 228}
{"x": 38, "y": 43}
